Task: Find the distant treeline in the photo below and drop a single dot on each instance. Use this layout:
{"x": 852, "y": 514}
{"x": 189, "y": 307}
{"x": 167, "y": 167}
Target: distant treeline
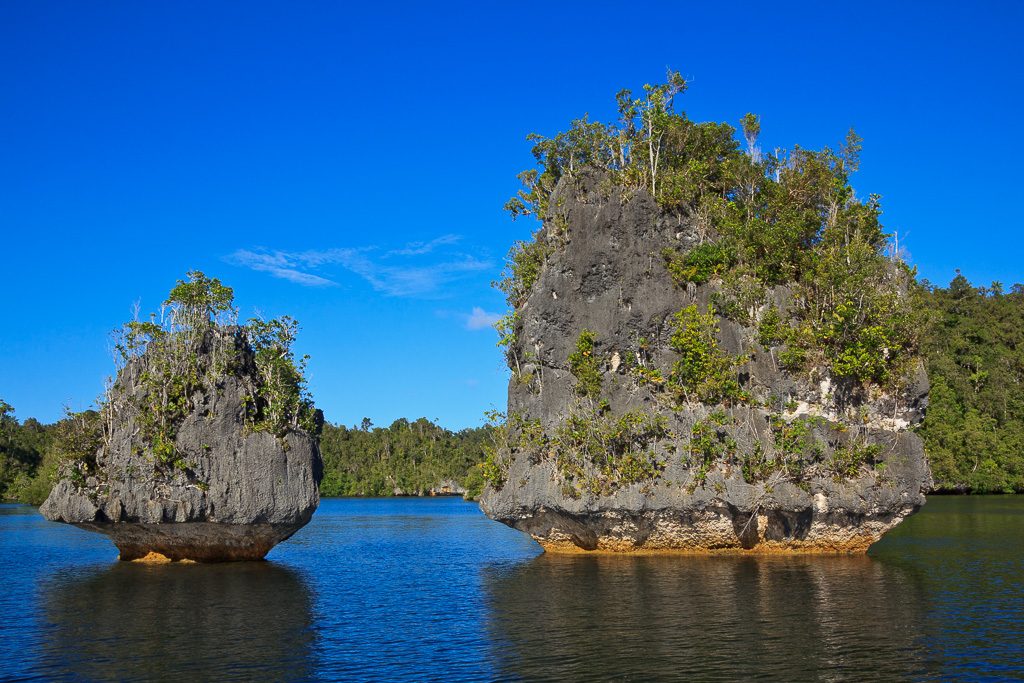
{"x": 407, "y": 458}
{"x": 22, "y": 448}
{"x": 973, "y": 344}
{"x": 974, "y": 348}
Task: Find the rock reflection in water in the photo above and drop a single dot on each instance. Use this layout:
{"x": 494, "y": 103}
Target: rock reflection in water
{"x": 725, "y": 618}
{"x": 249, "y": 621}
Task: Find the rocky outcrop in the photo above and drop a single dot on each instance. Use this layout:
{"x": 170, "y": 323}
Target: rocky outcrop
{"x": 695, "y": 477}
{"x": 230, "y": 492}
{"x": 447, "y": 487}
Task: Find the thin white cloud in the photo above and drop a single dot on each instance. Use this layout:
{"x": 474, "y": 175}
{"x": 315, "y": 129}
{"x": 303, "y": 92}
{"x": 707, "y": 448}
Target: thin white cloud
{"x": 404, "y": 276}
{"x": 424, "y": 281}
{"x": 279, "y": 265}
{"x": 419, "y": 248}
{"x": 480, "y": 319}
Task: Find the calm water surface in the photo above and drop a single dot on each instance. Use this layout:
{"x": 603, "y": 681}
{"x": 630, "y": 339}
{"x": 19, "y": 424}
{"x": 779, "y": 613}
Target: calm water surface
{"x": 431, "y": 590}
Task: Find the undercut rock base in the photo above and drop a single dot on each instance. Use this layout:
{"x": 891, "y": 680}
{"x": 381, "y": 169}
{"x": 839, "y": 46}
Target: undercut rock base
{"x": 193, "y": 541}
{"x": 711, "y": 531}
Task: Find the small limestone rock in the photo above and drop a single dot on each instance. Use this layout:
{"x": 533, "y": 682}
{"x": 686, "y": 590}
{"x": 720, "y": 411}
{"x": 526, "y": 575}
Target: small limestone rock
{"x": 233, "y": 494}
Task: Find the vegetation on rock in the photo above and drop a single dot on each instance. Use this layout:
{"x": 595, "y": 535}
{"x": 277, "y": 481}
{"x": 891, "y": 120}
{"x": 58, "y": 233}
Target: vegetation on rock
{"x": 703, "y": 372}
{"x": 194, "y": 342}
{"x": 166, "y": 365}
{"x": 585, "y": 366}
{"x": 790, "y": 217}
{"x": 795, "y": 358}
{"x": 624, "y": 450}
{"x": 709, "y": 443}
{"x": 699, "y": 265}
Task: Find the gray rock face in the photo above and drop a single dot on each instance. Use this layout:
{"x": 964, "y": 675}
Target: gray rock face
{"x": 606, "y": 273}
{"x": 234, "y": 494}
{"x": 446, "y": 487}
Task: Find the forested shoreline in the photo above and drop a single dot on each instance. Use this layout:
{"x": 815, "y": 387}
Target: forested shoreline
{"x": 973, "y": 345}
{"x": 415, "y": 457}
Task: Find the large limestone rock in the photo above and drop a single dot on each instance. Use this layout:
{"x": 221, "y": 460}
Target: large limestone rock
{"x": 233, "y": 494}
{"x": 605, "y": 272}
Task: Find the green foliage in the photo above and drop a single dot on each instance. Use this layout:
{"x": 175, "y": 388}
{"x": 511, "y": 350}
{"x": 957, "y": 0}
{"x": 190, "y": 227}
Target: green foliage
{"x": 639, "y": 365}
{"x": 35, "y": 454}
{"x": 493, "y": 471}
{"x": 506, "y": 328}
{"x": 974, "y": 347}
{"x": 806, "y": 226}
{"x": 408, "y": 456}
{"x": 796, "y": 453}
{"x": 751, "y": 126}
{"x": 770, "y": 330}
{"x": 795, "y": 446}
{"x": 77, "y": 440}
{"x": 799, "y": 345}
{"x": 791, "y": 218}
{"x": 284, "y": 402}
{"x": 474, "y": 482}
{"x": 624, "y": 450}
{"x": 755, "y": 465}
{"x": 651, "y": 147}
{"x": 704, "y": 371}
{"x": 699, "y": 265}
{"x": 848, "y": 460}
{"x": 584, "y": 144}
{"x": 522, "y": 269}
{"x": 709, "y": 443}
{"x": 585, "y": 366}
{"x": 649, "y": 376}
{"x": 860, "y": 319}
{"x": 740, "y": 297}
{"x": 187, "y": 351}
{"x": 22, "y": 446}
{"x": 201, "y": 299}
{"x": 509, "y": 433}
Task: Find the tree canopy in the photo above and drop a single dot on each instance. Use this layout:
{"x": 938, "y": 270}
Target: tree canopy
{"x": 791, "y": 217}
{"x": 412, "y": 457}
{"x": 974, "y": 347}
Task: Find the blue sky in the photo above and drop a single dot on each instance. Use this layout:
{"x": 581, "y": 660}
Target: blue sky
{"x": 347, "y": 164}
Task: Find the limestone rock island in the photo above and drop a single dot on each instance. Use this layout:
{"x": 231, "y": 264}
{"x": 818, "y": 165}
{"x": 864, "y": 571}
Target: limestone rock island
{"x": 713, "y": 349}
{"x": 205, "y": 447}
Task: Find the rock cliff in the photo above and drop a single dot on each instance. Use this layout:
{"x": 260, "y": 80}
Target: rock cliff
{"x": 210, "y": 480}
{"x": 600, "y": 454}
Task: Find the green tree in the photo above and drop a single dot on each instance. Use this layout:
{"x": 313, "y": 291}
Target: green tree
{"x": 21, "y": 450}
{"x": 704, "y": 371}
{"x": 585, "y": 366}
